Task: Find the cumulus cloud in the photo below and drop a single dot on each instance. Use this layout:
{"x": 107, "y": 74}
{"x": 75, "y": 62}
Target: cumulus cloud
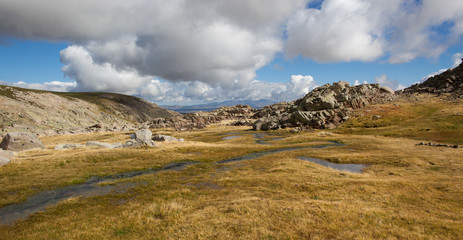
{"x": 340, "y": 31}
{"x": 213, "y": 48}
{"x": 364, "y": 30}
{"x": 384, "y": 80}
{"x": 192, "y": 92}
{"x": 92, "y": 76}
{"x": 115, "y": 41}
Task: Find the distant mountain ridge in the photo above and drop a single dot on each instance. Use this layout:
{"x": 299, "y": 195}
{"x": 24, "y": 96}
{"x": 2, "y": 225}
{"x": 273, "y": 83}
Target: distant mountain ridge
{"x": 216, "y": 105}
{"x": 46, "y": 112}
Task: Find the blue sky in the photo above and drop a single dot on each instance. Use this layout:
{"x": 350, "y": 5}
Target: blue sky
{"x": 177, "y": 52}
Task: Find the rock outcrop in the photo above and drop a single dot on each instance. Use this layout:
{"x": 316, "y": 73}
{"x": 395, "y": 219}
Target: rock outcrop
{"x": 21, "y": 141}
{"x": 324, "y": 107}
{"x": 450, "y": 81}
{"x": 200, "y": 120}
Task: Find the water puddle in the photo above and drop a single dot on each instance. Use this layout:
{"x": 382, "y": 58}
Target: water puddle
{"x": 257, "y": 155}
{"x": 230, "y": 137}
{"x": 278, "y": 150}
{"x": 90, "y": 188}
{"x": 354, "y": 168}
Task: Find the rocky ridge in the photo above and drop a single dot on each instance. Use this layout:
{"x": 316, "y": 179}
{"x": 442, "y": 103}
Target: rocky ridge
{"x": 324, "y": 107}
{"x": 448, "y": 82}
{"x": 49, "y": 113}
{"x": 200, "y": 120}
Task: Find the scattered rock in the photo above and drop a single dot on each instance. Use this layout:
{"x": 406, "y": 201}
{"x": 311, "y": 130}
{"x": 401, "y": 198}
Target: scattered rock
{"x": 164, "y": 138}
{"x": 242, "y": 122}
{"x": 21, "y": 141}
{"x": 200, "y": 120}
{"x": 136, "y": 144}
{"x": 439, "y": 145}
{"x": 103, "y": 145}
{"x": 325, "y": 134}
{"x": 96, "y": 126}
{"x": 68, "y": 146}
{"x": 4, "y": 161}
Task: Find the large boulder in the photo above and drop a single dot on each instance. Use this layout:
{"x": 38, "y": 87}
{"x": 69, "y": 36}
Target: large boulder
{"x": 20, "y": 141}
{"x": 144, "y": 136}
{"x": 4, "y": 161}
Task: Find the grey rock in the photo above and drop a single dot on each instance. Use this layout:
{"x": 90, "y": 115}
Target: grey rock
{"x": 144, "y": 136}
{"x": 68, "y": 146}
{"x": 102, "y": 145}
{"x": 6, "y": 154}
{"x": 135, "y": 144}
{"x": 4, "y": 161}
{"x": 164, "y": 138}
{"x": 20, "y": 141}
{"x": 386, "y": 89}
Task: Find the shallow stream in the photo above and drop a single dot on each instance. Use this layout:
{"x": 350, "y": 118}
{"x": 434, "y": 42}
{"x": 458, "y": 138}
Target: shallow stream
{"x": 96, "y": 187}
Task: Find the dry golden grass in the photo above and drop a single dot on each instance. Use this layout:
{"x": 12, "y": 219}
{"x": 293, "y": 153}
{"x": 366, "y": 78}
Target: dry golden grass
{"x": 406, "y": 192}
{"x": 423, "y": 117}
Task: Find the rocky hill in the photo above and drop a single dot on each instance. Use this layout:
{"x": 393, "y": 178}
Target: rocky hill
{"x": 239, "y": 113}
{"x": 45, "y": 112}
{"x": 324, "y": 107}
{"x": 448, "y": 82}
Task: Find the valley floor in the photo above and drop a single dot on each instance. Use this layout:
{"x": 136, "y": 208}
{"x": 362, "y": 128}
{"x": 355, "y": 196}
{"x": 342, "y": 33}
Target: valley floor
{"x": 407, "y": 191}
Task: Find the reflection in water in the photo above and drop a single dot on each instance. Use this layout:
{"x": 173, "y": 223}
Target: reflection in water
{"x": 354, "y": 168}
{"x": 91, "y": 187}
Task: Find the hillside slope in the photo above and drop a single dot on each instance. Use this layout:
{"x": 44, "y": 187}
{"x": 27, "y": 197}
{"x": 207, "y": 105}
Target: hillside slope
{"x": 45, "y": 112}
{"x": 448, "y": 82}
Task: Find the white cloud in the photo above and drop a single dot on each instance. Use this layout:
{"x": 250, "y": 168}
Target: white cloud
{"x": 163, "y": 92}
{"x": 56, "y": 86}
{"x": 357, "y": 82}
{"x": 91, "y": 76}
{"x": 213, "y": 48}
{"x": 365, "y": 30}
{"x": 384, "y": 80}
{"x": 340, "y": 31}
{"x": 457, "y": 59}
{"x": 215, "y": 42}
{"x": 432, "y": 75}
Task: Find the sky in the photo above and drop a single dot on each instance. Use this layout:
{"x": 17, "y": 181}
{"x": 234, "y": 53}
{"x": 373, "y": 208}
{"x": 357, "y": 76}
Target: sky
{"x": 189, "y": 52}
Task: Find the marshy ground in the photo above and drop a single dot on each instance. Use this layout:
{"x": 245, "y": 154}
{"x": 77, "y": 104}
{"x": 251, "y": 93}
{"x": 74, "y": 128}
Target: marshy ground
{"x": 406, "y": 192}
